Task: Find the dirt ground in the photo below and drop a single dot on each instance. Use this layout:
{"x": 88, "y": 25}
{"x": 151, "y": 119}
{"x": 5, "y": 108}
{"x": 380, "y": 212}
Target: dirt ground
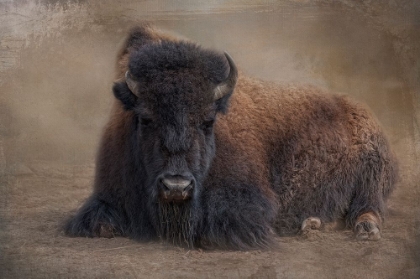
{"x": 56, "y": 72}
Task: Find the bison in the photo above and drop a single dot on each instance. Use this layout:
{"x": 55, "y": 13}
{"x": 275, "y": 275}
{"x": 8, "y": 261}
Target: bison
{"x": 197, "y": 154}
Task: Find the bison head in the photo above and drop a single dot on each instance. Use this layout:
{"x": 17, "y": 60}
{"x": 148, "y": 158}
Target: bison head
{"x": 175, "y": 90}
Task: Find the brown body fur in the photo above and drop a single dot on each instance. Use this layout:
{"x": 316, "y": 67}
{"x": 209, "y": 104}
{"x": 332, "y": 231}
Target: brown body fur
{"x": 331, "y": 134}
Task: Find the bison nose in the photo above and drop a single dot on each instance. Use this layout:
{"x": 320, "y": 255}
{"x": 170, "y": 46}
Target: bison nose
{"x": 176, "y": 183}
{"x": 177, "y": 188}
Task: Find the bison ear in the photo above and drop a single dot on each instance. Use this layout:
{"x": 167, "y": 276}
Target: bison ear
{"x": 123, "y": 93}
{"x": 224, "y": 90}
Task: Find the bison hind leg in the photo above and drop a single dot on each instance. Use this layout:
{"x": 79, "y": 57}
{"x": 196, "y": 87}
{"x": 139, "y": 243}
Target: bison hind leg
{"x": 311, "y": 223}
{"x": 367, "y": 227}
{"x": 95, "y": 219}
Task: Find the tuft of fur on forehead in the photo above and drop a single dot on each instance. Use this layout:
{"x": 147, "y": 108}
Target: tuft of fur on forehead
{"x": 169, "y": 67}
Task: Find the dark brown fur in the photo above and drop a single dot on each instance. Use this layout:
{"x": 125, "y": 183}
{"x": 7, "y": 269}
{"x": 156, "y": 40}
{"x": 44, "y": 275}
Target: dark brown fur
{"x": 283, "y": 154}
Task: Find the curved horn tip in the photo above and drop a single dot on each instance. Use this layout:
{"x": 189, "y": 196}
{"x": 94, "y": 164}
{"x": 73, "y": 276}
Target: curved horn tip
{"x": 228, "y": 56}
{"x": 227, "y": 86}
{"x": 132, "y": 85}
{"x": 233, "y": 71}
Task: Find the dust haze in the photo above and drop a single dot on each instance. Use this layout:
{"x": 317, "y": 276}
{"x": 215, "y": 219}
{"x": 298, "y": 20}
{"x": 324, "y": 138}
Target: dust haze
{"x": 56, "y": 73}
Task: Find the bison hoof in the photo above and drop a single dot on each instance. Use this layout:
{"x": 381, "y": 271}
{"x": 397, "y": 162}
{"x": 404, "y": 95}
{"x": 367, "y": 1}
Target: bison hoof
{"x": 311, "y": 223}
{"x": 367, "y": 227}
{"x": 106, "y": 231}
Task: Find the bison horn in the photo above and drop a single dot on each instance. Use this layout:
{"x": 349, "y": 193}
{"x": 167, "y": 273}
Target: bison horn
{"x": 226, "y": 87}
{"x": 133, "y": 85}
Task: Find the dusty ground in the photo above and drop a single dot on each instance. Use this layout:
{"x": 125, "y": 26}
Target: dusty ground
{"x": 56, "y": 72}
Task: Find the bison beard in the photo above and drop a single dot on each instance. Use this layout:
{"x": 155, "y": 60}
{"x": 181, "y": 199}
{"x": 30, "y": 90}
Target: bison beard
{"x": 199, "y": 157}
{"x": 175, "y": 223}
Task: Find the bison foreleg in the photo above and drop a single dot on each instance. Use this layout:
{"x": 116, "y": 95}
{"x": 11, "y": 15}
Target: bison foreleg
{"x": 237, "y": 217}
{"x": 95, "y": 218}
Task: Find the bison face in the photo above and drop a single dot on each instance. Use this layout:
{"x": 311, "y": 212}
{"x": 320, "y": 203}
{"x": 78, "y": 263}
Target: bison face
{"x": 176, "y": 148}
{"x": 175, "y": 91}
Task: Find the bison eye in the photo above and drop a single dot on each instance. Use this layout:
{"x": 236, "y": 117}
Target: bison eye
{"x": 207, "y": 125}
{"x": 146, "y": 122}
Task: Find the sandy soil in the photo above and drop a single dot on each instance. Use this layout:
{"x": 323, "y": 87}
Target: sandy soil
{"x": 56, "y": 71}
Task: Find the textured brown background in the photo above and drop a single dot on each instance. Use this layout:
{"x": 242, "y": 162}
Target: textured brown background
{"x": 56, "y": 71}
